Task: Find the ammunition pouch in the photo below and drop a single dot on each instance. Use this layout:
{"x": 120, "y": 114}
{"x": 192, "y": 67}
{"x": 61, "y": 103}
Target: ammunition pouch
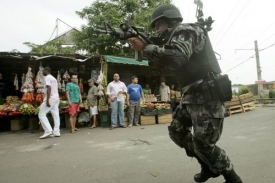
{"x": 223, "y": 86}
{"x": 218, "y": 88}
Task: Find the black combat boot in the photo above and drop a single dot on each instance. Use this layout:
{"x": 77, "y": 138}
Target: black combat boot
{"x": 205, "y": 174}
{"x": 232, "y": 177}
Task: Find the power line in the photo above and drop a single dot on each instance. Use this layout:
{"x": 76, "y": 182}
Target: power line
{"x": 239, "y": 64}
{"x": 248, "y": 58}
{"x": 228, "y": 18}
{"x": 267, "y": 47}
{"x": 232, "y": 23}
{"x": 267, "y": 38}
{"x": 237, "y": 58}
{"x": 249, "y": 42}
{"x": 243, "y": 74}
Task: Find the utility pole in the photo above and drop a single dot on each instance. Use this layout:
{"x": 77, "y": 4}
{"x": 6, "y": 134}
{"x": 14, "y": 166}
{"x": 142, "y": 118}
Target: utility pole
{"x": 259, "y": 71}
{"x": 259, "y": 82}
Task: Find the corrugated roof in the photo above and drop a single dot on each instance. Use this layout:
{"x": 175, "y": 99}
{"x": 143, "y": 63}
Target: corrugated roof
{"x": 124, "y": 60}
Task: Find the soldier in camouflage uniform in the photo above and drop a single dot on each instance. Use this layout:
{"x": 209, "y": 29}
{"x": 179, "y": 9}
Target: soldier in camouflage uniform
{"x": 187, "y": 51}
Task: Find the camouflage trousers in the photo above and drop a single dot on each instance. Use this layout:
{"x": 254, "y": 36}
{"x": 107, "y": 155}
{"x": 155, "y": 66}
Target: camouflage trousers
{"x": 206, "y": 120}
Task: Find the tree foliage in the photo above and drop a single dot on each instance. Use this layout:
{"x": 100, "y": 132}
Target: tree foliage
{"x": 52, "y": 47}
{"x": 243, "y": 90}
{"x": 136, "y": 12}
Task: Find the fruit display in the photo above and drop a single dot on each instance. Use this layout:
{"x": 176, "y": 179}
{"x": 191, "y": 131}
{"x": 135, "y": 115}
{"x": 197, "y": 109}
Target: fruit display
{"x": 9, "y": 107}
{"x": 162, "y": 106}
{"x": 27, "y": 109}
{"x": 81, "y": 105}
{"x": 39, "y": 97}
{"x": 36, "y": 110}
{"x": 85, "y": 104}
{"x": 158, "y": 106}
{"x": 101, "y": 102}
{"x": 28, "y": 97}
{"x": 63, "y": 104}
{"x": 150, "y": 98}
{"x": 3, "y": 113}
{"x": 12, "y": 99}
{"x": 14, "y": 113}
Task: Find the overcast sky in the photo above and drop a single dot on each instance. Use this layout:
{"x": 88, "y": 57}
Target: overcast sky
{"x": 238, "y": 23}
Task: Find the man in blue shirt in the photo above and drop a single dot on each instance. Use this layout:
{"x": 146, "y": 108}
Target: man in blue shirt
{"x": 134, "y": 91}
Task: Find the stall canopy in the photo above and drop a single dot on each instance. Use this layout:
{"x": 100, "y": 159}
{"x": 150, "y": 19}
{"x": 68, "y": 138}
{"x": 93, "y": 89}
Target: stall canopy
{"x": 124, "y": 60}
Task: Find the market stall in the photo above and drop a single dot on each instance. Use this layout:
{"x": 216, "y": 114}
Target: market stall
{"x": 22, "y": 79}
{"x": 155, "y": 112}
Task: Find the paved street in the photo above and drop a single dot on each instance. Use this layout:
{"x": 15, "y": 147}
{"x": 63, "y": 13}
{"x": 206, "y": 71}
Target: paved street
{"x": 138, "y": 155}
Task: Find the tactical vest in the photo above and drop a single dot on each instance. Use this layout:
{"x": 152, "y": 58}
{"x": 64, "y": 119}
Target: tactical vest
{"x": 199, "y": 64}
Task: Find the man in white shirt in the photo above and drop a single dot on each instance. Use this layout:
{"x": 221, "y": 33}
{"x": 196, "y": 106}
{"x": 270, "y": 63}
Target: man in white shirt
{"x": 164, "y": 92}
{"x": 116, "y": 90}
{"x": 50, "y": 104}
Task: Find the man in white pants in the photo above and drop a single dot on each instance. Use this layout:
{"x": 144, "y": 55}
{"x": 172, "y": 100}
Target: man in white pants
{"x": 50, "y": 104}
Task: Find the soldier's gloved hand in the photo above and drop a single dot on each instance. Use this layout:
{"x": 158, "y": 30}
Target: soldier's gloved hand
{"x": 136, "y": 43}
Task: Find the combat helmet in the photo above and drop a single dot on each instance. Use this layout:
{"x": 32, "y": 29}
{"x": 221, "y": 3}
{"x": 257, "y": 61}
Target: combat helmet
{"x": 165, "y": 11}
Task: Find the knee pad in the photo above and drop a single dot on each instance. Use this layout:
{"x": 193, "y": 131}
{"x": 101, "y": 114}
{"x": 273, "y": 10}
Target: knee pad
{"x": 180, "y": 138}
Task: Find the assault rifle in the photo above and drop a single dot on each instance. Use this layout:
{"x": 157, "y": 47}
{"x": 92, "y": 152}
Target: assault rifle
{"x": 124, "y": 32}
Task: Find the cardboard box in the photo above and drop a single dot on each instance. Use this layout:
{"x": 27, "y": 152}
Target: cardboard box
{"x": 148, "y": 120}
{"x": 165, "y": 118}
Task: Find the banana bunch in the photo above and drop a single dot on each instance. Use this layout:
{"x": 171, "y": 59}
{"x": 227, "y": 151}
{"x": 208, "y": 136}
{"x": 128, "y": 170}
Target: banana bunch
{"x": 12, "y": 99}
{"x": 104, "y": 81}
{"x": 27, "y": 109}
{"x": 85, "y": 103}
{"x": 101, "y": 102}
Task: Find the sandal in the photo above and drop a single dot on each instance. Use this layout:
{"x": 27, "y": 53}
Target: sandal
{"x": 76, "y": 129}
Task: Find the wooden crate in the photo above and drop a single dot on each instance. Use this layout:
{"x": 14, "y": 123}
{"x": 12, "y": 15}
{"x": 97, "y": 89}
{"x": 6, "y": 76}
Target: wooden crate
{"x": 148, "y": 120}
{"x": 234, "y": 101}
{"x": 245, "y": 98}
{"x": 103, "y": 108}
{"x": 235, "y": 109}
{"x": 165, "y": 111}
{"x": 33, "y": 123}
{"x": 165, "y": 118}
{"x": 16, "y": 125}
{"x": 248, "y": 106}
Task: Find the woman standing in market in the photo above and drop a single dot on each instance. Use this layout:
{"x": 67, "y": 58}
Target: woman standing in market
{"x": 92, "y": 102}
{"x": 147, "y": 89}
